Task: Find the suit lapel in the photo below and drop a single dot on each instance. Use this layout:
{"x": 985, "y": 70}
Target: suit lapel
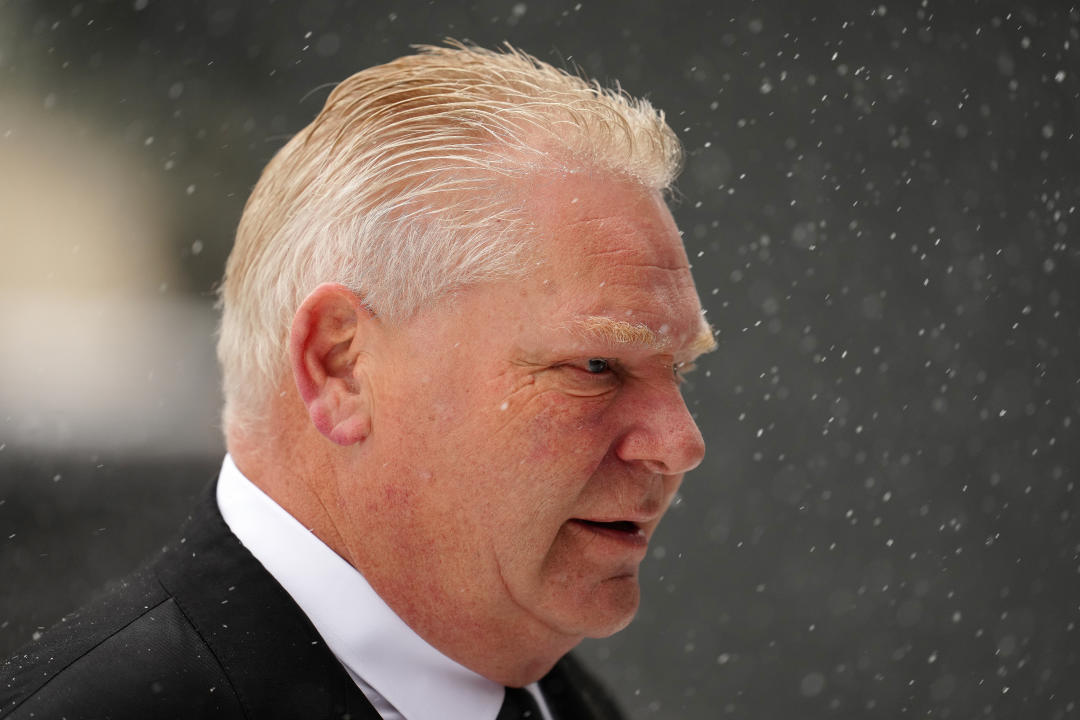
{"x": 573, "y": 694}
{"x": 277, "y": 663}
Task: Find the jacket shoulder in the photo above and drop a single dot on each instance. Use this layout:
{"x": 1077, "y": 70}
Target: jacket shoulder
{"x": 574, "y": 693}
{"x": 132, "y": 653}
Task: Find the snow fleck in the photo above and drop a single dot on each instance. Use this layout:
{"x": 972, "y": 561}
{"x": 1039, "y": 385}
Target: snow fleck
{"x": 516, "y": 13}
{"x": 812, "y": 684}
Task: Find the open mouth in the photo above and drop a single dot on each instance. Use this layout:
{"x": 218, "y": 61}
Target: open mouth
{"x": 619, "y": 536}
{"x": 623, "y": 526}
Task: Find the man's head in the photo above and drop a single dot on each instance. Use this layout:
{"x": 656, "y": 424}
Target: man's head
{"x": 398, "y": 191}
{"x": 468, "y": 266}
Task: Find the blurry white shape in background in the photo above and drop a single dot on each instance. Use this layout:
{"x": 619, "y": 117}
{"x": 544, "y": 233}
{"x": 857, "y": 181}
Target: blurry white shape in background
{"x": 96, "y": 353}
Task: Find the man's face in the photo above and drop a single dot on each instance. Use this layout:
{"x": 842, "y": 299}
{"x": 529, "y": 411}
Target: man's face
{"x": 533, "y": 432}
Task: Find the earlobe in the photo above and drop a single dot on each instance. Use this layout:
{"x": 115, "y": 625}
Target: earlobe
{"x": 340, "y": 425}
{"x": 325, "y": 344}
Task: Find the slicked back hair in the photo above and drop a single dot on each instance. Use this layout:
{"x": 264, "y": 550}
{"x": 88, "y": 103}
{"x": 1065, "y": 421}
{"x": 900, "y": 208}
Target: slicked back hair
{"x": 397, "y": 190}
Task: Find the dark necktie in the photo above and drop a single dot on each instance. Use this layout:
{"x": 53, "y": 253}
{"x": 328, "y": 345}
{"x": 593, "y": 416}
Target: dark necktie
{"x": 518, "y": 704}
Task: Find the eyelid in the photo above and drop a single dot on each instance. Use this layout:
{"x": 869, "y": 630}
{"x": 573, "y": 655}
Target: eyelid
{"x": 582, "y": 365}
{"x": 680, "y": 369}
{"x": 612, "y": 364}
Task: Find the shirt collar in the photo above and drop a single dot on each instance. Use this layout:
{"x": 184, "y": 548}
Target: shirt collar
{"x": 369, "y": 639}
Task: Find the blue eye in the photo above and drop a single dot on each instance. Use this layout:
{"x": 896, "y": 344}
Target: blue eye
{"x": 598, "y": 365}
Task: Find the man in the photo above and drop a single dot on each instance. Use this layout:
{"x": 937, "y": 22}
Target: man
{"x": 454, "y": 323}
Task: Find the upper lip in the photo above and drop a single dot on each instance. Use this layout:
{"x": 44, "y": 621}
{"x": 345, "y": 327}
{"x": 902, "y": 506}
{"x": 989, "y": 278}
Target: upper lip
{"x": 644, "y": 510}
{"x": 640, "y": 517}
{"x": 644, "y": 522}
{"x": 605, "y": 520}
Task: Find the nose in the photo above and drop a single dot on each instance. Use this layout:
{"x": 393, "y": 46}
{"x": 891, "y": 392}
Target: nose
{"x": 662, "y": 434}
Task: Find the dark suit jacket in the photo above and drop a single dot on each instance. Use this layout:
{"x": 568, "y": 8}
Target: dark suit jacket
{"x": 205, "y": 631}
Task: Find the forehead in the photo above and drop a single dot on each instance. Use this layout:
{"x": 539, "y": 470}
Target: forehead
{"x": 593, "y": 213}
{"x": 611, "y": 258}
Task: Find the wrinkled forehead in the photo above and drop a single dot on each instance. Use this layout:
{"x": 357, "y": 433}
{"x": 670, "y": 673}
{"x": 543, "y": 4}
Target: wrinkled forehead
{"x": 600, "y": 218}
{"x": 611, "y": 262}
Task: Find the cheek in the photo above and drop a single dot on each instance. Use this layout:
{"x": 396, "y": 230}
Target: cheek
{"x": 567, "y": 430}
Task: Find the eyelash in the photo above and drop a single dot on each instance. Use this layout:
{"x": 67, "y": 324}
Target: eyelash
{"x": 679, "y": 370}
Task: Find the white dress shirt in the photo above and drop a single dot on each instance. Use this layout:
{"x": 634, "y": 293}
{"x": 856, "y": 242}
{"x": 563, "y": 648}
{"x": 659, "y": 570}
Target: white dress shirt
{"x": 403, "y": 676}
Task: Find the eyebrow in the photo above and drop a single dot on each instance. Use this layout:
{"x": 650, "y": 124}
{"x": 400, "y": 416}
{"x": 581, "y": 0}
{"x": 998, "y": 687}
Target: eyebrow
{"x": 621, "y": 332}
{"x": 705, "y": 342}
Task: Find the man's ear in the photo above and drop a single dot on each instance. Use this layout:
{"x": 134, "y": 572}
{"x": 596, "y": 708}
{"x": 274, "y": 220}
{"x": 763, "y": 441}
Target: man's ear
{"x": 326, "y": 341}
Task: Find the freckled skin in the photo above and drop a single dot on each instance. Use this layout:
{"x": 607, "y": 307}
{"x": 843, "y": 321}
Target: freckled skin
{"x": 489, "y": 437}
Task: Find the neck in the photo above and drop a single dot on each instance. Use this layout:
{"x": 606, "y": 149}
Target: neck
{"x": 498, "y": 641}
{"x": 277, "y": 458}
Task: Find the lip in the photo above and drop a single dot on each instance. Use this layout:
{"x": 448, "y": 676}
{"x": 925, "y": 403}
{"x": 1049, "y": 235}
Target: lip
{"x": 624, "y": 533}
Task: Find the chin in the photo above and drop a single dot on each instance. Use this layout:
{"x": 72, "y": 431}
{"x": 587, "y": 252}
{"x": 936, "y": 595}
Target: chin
{"x": 602, "y": 610}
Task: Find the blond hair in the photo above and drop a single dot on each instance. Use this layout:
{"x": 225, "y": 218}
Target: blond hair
{"x": 393, "y": 191}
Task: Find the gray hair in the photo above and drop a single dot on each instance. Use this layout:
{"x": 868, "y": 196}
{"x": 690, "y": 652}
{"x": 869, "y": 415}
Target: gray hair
{"x": 392, "y": 191}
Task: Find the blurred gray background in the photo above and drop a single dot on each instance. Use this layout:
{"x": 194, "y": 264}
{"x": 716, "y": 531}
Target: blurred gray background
{"x": 880, "y": 204}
